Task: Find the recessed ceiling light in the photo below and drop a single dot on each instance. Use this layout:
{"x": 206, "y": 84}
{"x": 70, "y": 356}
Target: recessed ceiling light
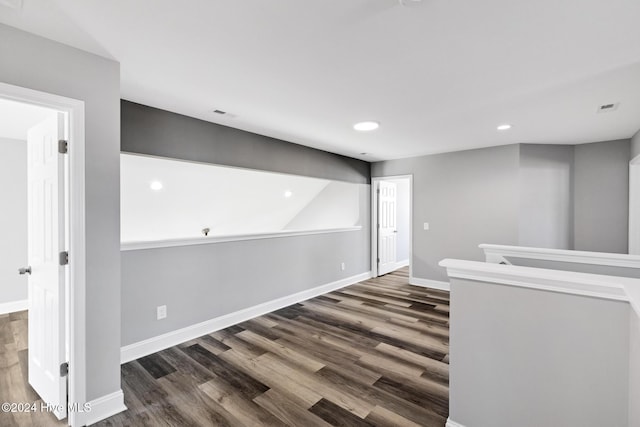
{"x": 504, "y": 127}
{"x": 366, "y": 126}
{"x": 156, "y": 185}
{"x": 288, "y": 194}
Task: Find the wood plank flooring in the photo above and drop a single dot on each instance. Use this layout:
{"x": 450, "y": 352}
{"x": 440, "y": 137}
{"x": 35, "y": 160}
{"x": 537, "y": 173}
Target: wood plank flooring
{"x": 14, "y": 386}
{"x": 371, "y": 354}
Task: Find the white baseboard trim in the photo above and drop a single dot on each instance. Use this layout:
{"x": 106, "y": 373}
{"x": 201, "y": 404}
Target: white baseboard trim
{"x": 105, "y": 407}
{"x": 13, "y": 306}
{"x": 400, "y": 264}
{"x": 433, "y": 284}
{"x": 152, "y": 345}
{"x": 451, "y": 423}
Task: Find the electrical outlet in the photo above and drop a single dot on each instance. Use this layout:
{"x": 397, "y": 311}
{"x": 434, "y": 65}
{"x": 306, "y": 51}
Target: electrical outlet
{"x": 161, "y": 311}
{"x": 342, "y": 266}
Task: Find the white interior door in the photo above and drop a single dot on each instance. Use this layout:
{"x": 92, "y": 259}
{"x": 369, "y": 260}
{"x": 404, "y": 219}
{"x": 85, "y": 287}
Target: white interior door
{"x": 46, "y": 230}
{"x": 387, "y": 227}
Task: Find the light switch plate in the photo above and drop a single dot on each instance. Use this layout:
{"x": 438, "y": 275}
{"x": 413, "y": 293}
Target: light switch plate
{"x": 426, "y": 225}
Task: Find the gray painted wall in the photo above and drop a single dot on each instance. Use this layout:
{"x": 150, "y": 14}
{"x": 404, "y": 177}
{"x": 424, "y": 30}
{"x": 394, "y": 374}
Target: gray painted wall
{"x": 96, "y": 81}
{"x": 148, "y": 130}
{"x": 546, "y": 203}
{"x": 13, "y": 221}
{"x": 511, "y": 367}
{"x": 635, "y": 145}
{"x": 199, "y": 283}
{"x": 467, "y": 197}
{"x": 601, "y": 196}
{"x": 403, "y": 203}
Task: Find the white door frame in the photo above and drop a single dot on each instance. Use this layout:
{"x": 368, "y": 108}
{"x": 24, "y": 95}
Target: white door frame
{"x": 77, "y": 258}
{"x": 634, "y": 206}
{"x": 374, "y": 221}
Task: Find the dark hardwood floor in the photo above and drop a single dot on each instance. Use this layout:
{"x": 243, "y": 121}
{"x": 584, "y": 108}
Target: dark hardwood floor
{"x": 14, "y": 386}
{"x": 373, "y": 353}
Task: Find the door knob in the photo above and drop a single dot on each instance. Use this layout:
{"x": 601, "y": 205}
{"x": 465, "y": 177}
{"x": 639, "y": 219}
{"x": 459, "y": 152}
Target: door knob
{"x": 23, "y": 270}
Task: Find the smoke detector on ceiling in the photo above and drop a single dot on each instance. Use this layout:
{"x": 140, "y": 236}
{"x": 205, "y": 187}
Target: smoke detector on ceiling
{"x": 607, "y": 108}
{"x": 12, "y": 4}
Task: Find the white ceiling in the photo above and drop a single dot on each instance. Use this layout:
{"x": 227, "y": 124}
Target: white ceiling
{"x": 439, "y": 77}
{"x": 17, "y": 118}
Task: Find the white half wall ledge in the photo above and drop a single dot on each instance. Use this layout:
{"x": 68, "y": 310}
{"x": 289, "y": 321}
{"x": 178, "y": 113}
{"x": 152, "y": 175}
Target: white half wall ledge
{"x": 104, "y": 407}
{"x": 133, "y": 246}
{"x": 427, "y": 283}
{"x": 13, "y": 306}
{"x": 451, "y": 423}
{"x": 152, "y": 345}
{"x": 496, "y": 253}
{"x": 568, "y": 282}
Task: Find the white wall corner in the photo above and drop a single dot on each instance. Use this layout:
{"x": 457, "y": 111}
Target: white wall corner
{"x": 451, "y": 423}
{"x": 152, "y": 345}
{"x": 433, "y": 284}
{"x": 104, "y": 407}
{"x": 13, "y": 306}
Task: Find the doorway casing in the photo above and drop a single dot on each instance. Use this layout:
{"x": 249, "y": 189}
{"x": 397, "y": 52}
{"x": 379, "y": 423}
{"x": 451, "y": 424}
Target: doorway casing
{"x": 374, "y": 221}
{"x": 75, "y": 302}
{"x": 634, "y": 206}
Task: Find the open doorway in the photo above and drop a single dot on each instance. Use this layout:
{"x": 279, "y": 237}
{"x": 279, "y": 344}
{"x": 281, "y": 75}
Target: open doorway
{"x": 391, "y": 224}
{"x": 35, "y": 222}
{"x": 39, "y": 290}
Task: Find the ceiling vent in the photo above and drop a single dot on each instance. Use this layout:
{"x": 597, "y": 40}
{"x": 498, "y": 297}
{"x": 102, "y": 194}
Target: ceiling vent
{"x": 607, "y": 108}
{"x": 12, "y": 4}
{"x": 220, "y": 112}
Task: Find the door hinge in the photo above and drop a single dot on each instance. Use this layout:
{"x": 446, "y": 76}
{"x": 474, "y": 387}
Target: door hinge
{"x": 64, "y": 258}
{"x": 63, "y": 146}
{"x": 64, "y": 369}
{"x": 378, "y": 260}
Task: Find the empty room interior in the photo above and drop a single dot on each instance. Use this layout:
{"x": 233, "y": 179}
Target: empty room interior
{"x": 320, "y": 213}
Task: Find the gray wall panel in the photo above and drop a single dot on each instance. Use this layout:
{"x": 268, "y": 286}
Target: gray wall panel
{"x": 635, "y": 145}
{"x": 601, "y": 196}
{"x": 546, "y": 202}
{"x": 514, "y": 365}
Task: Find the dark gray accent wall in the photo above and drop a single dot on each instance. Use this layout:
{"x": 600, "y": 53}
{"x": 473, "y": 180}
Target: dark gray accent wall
{"x": 467, "y": 197}
{"x": 147, "y": 130}
{"x": 601, "y": 196}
